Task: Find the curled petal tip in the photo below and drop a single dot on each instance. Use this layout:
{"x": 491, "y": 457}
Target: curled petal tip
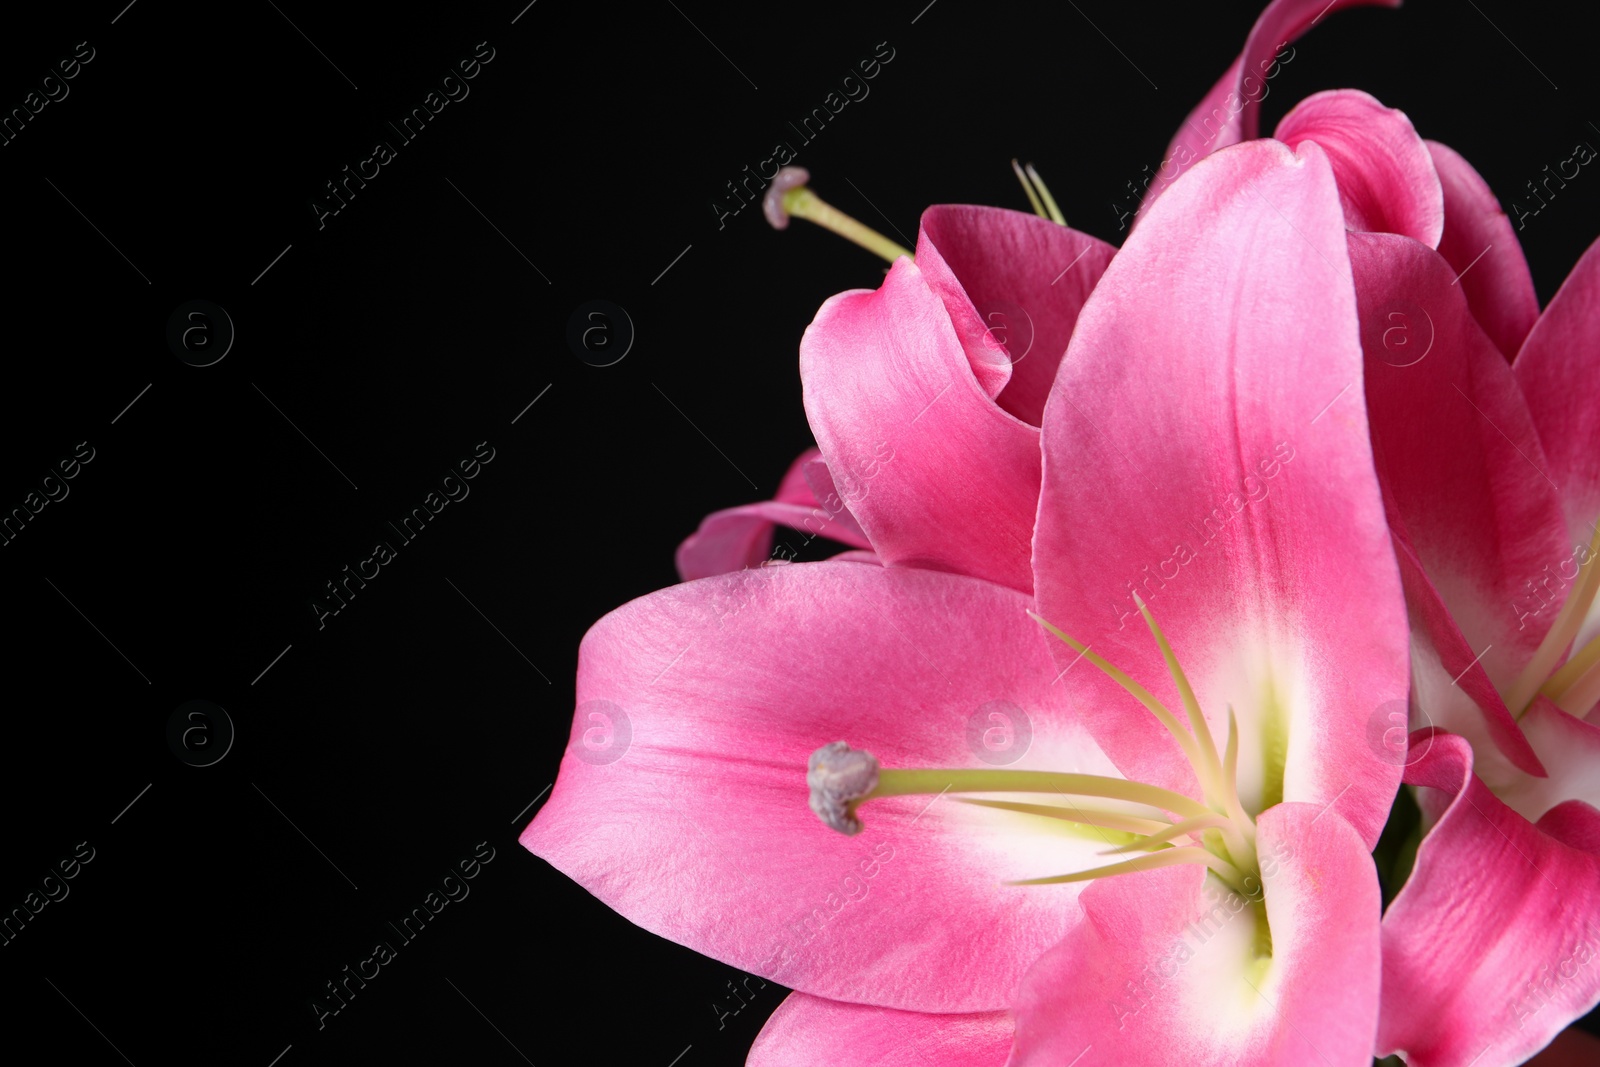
{"x": 837, "y": 776}
{"x": 772, "y": 203}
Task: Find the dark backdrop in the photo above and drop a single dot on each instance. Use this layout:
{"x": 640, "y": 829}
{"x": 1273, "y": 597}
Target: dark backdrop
{"x": 375, "y": 348}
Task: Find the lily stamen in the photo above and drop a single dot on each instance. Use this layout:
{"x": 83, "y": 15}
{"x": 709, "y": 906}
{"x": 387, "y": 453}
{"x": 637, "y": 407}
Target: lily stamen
{"x": 895, "y": 782}
{"x": 1170, "y": 858}
{"x": 1139, "y": 693}
{"x": 842, "y": 779}
{"x": 1133, "y": 826}
{"x": 1217, "y": 783}
{"x": 1027, "y": 187}
{"x": 1577, "y": 665}
{"x": 1568, "y": 622}
{"x": 1582, "y": 694}
{"x": 1177, "y": 829}
{"x": 1197, "y": 719}
{"x": 1218, "y": 834}
{"x": 788, "y": 196}
{"x": 1030, "y": 182}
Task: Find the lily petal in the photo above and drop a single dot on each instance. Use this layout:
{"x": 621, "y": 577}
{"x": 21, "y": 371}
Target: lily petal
{"x": 1161, "y": 974}
{"x": 1448, "y": 696}
{"x": 1231, "y": 111}
{"x": 1480, "y": 243}
{"x": 806, "y": 1031}
{"x": 1555, "y": 369}
{"x": 1488, "y": 950}
{"x": 739, "y": 537}
{"x": 1556, "y": 357}
{"x": 681, "y": 801}
{"x": 1387, "y": 182}
{"x": 1013, "y": 282}
{"x": 937, "y": 474}
{"x": 1236, "y": 495}
{"x": 1574, "y": 823}
{"x": 1464, "y": 476}
{"x": 1570, "y": 750}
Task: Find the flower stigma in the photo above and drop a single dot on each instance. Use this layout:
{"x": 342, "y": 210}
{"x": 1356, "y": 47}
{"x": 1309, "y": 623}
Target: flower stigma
{"x": 1168, "y": 828}
{"x": 788, "y": 195}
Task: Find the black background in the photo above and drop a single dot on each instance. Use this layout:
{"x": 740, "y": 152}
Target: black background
{"x": 380, "y": 349}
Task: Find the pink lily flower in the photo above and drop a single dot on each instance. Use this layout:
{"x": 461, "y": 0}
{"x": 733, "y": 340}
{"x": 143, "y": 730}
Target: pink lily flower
{"x": 1490, "y": 534}
{"x": 1389, "y": 179}
{"x": 929, "y": 452}
{"x": 1487, "y": 560}
{"x": 1237, "y": 920}
{"x": 1493, "y": 488}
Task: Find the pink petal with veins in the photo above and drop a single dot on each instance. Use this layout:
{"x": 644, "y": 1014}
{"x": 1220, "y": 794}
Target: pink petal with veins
{"x": 1481, "y": 245}
{"x": 681, "y": 800}
{"x": 807, "y": 1031}
{"x": 1387, "y": 182}
{"x": 1490, "y": 949}
{"x": 1013, "y": 284}
{"x": 1556, "y": 369}
{"x": 936, "y": 473}
{"x": 1464, "y": 479}
{"x": 739, "y": 537}
{"x": 1161, "y": 973}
